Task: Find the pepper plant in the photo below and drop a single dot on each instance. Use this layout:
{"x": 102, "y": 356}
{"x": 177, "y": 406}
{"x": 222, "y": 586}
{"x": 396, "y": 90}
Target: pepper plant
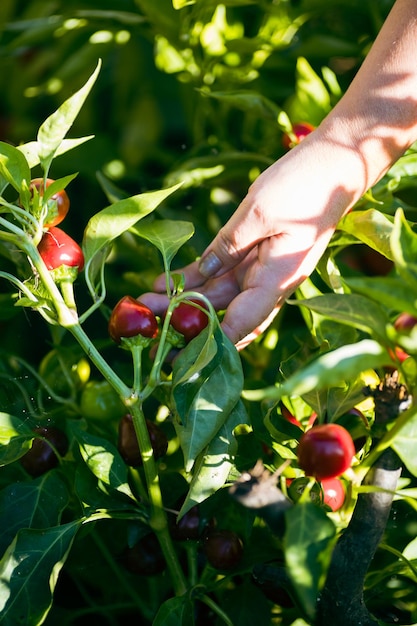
{"x": 213, "y": 518}
{"x": 204, "y": 427}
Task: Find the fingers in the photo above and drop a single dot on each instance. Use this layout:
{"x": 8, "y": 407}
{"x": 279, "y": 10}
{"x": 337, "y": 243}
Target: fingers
{"x": 244, "y": 230}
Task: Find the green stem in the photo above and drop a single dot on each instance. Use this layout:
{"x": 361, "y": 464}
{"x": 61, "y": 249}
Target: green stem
{"x": 67, "y": 290}
{"x": 215, "y": 607}
{"x": 137, "y": 368}
{"x": 101, "y": 364}
{"x": 158, "y": 519}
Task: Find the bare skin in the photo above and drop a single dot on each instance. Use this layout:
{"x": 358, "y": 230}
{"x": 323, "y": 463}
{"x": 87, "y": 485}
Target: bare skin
{"x": 280, "y": 230}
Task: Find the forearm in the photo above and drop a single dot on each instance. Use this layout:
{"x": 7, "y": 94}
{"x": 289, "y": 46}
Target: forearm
{"x": 377, "y": 117}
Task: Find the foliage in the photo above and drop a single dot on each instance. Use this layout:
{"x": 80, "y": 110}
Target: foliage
{"x": 167, "y": 112}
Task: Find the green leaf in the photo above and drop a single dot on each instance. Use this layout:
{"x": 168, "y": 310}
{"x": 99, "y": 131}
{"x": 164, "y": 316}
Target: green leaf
{"x": 202, "y": 410}
{"x": 390, "y": 291}
{"x": 311, "y": 100}
{"x": 217, "y": 169}
{"x": 14, "y": 168}
{"x": 15, "y": 438}
{"x": 54, "y": 129}
{"x": 104, "y": 461}
{"x": 111, "y": 222}
{"x": 329, "y": 369}
{"x": 308, "y": 543}
{"x": 166, "y": 235}
{"x": 29, "y": 571}
{"x": 94, "y": 499}
{"x": 250, "y": 101}
{"x": 351, "y": 309}
{"x": 178, "y": 611}
{"x": 213, "y": 465}
{"x": 371, "y": 227}
{"x": 404, "y": 249}
{"x": 30, "y": 150}
{"x": 38, "y": 503}
{"x": 405, "y": 443}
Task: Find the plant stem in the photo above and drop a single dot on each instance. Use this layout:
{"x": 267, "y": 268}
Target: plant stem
{"x": 215, "y": 607}
{"x": 104, "y": 368}
{"x": 158, "y": 521}
{"x": 137, "y": 368}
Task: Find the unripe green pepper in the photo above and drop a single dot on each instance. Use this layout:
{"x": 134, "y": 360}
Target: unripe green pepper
{"x": 99, "y": 401}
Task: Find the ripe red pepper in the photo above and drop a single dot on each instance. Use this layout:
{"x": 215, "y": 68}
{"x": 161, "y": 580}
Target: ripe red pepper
{"x": 130, "y": 318}
{"x": 299, "y": 132}
{"x": 333, "y": 493}
{"x": 325, "y": 451}
{"x": 223, "y": 549}
{"x": 58, "y": 203}
{"x": 57, "y": 248}
{"x": 189, "y": 320}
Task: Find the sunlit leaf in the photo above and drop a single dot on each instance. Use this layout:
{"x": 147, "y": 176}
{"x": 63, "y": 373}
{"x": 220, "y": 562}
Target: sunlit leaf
{"x": 202, "y": 408}
{"x": 15, "y": 438}
{"x": 308, "y": 544}
{"x": 29, "y": 571}
{"x": 405, "y": 443}
{"x": 311, "y": 100}
{"x": 351, "y": 309}
{"x": 214, "y": 464}
{"x": 54, "y": 129}
{"x": 390, "y": 291}
{"x": 111, "y": 222}
{"x": 166, "y": 235}
{"x": 31, "y": 150}
{"x": 104, "y": 461}
{"x": 371, "y": 227}
{"x": 404, "y": 249}
{"x": 14, "y": 168}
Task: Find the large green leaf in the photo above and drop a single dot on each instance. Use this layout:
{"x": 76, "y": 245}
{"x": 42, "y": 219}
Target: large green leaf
{"x": 205, "y": 398}
{"x": 104, "y": 461}
{"x": 29, "y": 571}
{"x": 351, "y": 309}
{"x": 404, "y": 249}
{"x": 31, "y": 149}
{"x": 37, "y": 503}
{"x": 390, "y": 291}
{"x": 329, "y": 370}
{"x": 371, "y": 227}
{"x": 311, "y": 100}
{"x": 54, "y": 129}
{"x": 166, "y": 235}
{"x": 405, "y": 442}
{"x": 308, "y": 543}
{"x": 213, "y": 465}
{"x": 111, "y": 222}
{"x": 15, "y": 438}
{"x": 94, "y": 499}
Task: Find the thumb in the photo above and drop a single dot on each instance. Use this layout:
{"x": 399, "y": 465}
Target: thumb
{"x": 233, "y": 242}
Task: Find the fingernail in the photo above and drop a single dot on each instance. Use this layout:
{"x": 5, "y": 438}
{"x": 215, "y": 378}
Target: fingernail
{"x": 209, "y": 265}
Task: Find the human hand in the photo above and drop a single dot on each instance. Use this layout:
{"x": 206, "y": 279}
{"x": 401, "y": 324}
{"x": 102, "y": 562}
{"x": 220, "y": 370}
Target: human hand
{"x": 272, "y": 242}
